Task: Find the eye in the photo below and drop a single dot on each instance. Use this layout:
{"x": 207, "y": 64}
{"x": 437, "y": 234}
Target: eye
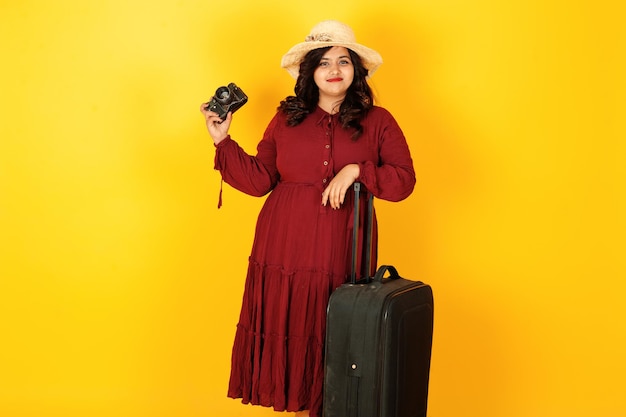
{"x": 345, "y": 62}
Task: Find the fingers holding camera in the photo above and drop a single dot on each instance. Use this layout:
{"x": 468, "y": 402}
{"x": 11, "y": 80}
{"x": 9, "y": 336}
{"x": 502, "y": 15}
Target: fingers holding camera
{"x": 218, "y": 128}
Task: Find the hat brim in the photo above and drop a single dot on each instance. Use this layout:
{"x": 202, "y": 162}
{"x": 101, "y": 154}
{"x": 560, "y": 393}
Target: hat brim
{"x": 292, "y": 59}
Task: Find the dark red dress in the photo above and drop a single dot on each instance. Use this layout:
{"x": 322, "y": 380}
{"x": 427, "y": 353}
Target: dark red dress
{"x": 301, "y": 249}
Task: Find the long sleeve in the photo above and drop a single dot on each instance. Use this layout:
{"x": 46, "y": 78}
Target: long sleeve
{"x": 393, "y": 177}
{"x": 253, "y": 175}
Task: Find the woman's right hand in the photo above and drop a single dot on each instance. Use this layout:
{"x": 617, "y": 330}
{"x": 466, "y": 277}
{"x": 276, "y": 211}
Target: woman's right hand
{"x": 217, "y": 128}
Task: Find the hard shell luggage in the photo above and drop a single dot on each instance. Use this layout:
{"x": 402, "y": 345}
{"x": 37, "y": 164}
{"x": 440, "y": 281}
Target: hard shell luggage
{"x": 378, "y": 342}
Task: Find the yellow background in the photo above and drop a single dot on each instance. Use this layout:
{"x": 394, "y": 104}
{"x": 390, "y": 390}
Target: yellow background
{"x": 121, "y": 281}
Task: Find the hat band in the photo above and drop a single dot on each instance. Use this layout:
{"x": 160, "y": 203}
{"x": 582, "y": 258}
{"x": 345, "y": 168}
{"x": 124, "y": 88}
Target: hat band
{"x": 319, "y": 37}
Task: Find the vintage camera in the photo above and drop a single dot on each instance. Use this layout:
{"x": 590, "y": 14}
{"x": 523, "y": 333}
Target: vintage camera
{"x": 227, "y": 98}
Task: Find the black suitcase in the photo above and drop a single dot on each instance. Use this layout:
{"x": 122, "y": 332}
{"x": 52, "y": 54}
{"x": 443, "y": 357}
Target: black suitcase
{"x": 378, "y": 342}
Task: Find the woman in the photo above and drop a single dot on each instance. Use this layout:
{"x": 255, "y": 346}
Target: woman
{"x": 319, "y": 142}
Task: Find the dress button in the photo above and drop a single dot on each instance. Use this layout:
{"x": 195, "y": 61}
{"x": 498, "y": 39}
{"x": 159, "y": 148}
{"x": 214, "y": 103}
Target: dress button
{"x": 325, "y": 162}
{"x": 324, "y": 180}
{"x": 327, "y": 146}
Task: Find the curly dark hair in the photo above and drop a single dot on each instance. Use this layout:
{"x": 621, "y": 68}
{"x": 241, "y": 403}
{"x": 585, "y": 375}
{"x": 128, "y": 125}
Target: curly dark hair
{"x": 358, "y": 101}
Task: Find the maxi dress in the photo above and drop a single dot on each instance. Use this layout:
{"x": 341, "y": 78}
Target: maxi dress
{"x": 302, "y": 249}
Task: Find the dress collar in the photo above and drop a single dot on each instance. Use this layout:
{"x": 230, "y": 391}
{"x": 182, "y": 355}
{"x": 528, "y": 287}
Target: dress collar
{"x": 322, "y": 115}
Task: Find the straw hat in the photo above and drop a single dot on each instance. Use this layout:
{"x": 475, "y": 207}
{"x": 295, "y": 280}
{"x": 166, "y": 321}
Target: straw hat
{"x": 330, "y": 33}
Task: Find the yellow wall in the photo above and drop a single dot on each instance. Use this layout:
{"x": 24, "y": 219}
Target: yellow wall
{"x": 121, "y": 281}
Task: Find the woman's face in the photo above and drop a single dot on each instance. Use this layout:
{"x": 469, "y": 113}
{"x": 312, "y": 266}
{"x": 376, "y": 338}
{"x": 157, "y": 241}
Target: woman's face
{"x": 334, "y": 73}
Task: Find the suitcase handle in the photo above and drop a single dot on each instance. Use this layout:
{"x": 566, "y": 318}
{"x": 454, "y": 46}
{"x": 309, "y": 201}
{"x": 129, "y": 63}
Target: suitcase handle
{"x": 368, "y": 234}
{"x": 380, "y": 274}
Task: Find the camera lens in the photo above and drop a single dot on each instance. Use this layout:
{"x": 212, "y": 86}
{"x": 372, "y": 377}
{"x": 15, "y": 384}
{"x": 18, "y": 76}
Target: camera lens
{"x": 222, "y": 94}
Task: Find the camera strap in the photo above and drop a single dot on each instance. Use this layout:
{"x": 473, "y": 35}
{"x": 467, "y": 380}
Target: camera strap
{"x": 219, "y": 201}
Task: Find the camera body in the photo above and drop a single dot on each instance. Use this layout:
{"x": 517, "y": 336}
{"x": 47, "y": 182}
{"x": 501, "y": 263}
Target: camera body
{"x": 227, "y": 99}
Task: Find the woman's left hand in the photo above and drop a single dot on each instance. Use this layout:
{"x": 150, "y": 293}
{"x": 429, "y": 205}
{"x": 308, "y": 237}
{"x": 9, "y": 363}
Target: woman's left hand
{"x": 335, "y": 192}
